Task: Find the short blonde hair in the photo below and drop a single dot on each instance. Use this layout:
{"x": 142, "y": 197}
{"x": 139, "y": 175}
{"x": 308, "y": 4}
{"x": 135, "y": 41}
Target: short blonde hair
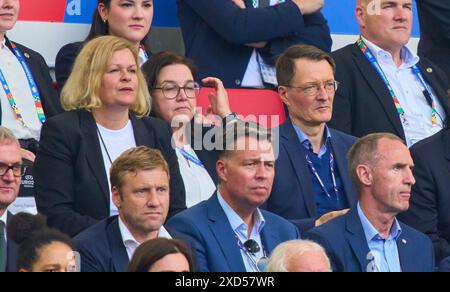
{"x": 7, "y": 136}
{"x": 136, "y": 159}
{"x": 82, "y": 89}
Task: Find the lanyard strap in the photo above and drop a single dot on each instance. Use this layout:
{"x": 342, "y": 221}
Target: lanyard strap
{"x": 415, "y": 70}
{"x": 190, "y": 157}
{"x": 31, "y": 84}
{"x": 333, "y": 176}
{"x": 256, "y": 3}
{"x": 144, "y": 53}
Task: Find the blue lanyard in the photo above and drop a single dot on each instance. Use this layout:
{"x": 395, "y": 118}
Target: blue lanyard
{"x": 190, "y": 157}
{"x": 31, "y": 84}
{"x": 333, "y": 176}
{"x": 415, "y": 69}
{"x": 144, "y": 52}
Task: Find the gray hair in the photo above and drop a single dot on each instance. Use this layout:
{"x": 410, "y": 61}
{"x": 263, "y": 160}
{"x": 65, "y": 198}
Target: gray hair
{"x": 365, "y": 151}
{"x": 238, "y": 129}
{"x": 294, "y": 248}
{"x": 7, "y": 136}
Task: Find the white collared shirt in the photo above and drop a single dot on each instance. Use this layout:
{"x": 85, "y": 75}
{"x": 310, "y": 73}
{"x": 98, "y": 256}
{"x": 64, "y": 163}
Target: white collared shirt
{"x": 20, "y": 89}
{"x": 131, "y": 244}
{"x": 4, "y": 219}
{"x": 409, "y": 91}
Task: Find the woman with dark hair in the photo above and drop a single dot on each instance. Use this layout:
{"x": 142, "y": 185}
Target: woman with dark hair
{"x": 161, "y": 255}
{"x": 40, "y": 249}
{"x": 128, "y": 19}
{"x": 171, "y": 82}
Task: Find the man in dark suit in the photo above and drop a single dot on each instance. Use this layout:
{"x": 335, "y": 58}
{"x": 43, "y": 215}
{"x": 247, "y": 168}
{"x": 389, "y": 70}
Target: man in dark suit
{"x": 385, "y": 87}
{"x": 430, "y": 203}
{"x": 140, "y": 187}
{"x": 370, "y": 238}
{"x": 236, "y": 40}
{"x": 434, "y": 17}
{"x": 10, "y": 177}
{"x": 27, "y": 95}
{"x": 312, "y": 185}
{"x": 229, "y": 232}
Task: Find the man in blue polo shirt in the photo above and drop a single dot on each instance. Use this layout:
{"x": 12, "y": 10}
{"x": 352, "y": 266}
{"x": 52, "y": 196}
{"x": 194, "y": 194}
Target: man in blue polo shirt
{"x": 312, "y": 185}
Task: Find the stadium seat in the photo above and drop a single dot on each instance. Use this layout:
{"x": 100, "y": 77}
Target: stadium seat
{"x": 260, "y": 105}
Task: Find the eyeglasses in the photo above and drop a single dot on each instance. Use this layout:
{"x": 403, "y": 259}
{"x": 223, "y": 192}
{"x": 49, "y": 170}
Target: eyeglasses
{"x": 171, "y": 90}
{"x": 313, "y": 89}
{"x": 17, "y": 169}
{"x": 252, "y": 248}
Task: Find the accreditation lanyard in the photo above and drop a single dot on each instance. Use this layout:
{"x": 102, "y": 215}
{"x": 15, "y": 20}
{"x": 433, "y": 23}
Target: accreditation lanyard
{"x": 31, "y": 83}
{"x": 333, "y": 176}
{"x": 256, "y": 3}
{"x": 415, "y": 70}
{"x": 190, "y": 157}
{"x": 144, "y": 53}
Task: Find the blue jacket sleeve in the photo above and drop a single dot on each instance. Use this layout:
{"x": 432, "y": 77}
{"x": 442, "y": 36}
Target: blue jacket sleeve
{"x": 242, "y": 26}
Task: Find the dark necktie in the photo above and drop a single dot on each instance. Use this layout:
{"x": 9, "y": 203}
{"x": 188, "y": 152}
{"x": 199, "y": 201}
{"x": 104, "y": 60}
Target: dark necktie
{"x": 264, "y": 3}
{"x": 3, "y": 250}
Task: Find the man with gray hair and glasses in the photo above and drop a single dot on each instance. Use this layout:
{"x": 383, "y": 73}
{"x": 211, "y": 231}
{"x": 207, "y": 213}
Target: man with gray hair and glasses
{"x": 369, "y": 238}
{"x": 11, "y": 170}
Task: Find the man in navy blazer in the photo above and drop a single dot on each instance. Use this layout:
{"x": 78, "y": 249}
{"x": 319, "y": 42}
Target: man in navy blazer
{"x": 370, "y": 238}
{"x": 312, "y": 184}
{"x": 364, "y": 104}
{"x": 140, "y": 188}
{"x": 223, "y": 36}
{"x": 10, "y": 179}
{"x": 229, "y": 232}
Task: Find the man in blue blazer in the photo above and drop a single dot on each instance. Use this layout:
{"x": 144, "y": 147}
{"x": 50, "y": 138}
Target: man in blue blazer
{"x": 370, "y": 238}
{"x": 140, "y": 188}
{"x": 229, "y": 232}
{"x": 312, "y": 184}
{"x": 226, "y": 38}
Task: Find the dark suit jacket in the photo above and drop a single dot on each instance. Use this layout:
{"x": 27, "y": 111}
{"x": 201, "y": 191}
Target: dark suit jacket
{"x": 101, "y": 247}
{"x": 41, "y": 75}
{"x": 434, "y": 17}
{"x": 71, "y": 182}
{"x": 430, "y": 202}
{"x": 215, "y": 33}
{"x": 363, "y": 104}
{"x": 345, "y": 242}
{"x": 207, "y": 227}
{"x": 12, "y": 252}
{"x": 292, "y": 193}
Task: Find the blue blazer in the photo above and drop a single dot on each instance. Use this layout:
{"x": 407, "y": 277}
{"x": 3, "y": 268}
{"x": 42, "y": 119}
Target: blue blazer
{"x": 12, "y": 253}
{"x": 345, "y": 242}
{"x": 292, "y": 193}
{"x": 207, "y": 228}
{"x": 215, "y": 33}
{"x": 101, "y": 248}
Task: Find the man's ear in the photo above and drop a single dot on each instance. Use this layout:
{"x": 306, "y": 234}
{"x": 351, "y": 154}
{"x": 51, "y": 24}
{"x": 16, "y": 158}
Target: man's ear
{"x": 283, "y": 93}
{"x": 360, "y": 14}
{"x": 116, "y": 197}
{"x": 221, "y": 170}
{"x": 364, "y": 174}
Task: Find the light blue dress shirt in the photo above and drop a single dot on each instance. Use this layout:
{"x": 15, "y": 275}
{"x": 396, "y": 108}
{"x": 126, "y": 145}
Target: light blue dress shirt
{"x": 385, "y": 252}
{"x": 240, "y": 229}
{"x": 307, "y": 143}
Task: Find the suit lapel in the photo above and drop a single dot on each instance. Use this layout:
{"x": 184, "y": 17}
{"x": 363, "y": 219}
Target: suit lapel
{"x": 119, "y": 253}
{"x": 297, "y": 154}
{"x": 340, "y": 155}
{"x": 269, "y": 238}
{"x": 12, "y": 251}
{"x": 142, "y": 134}
{"x": 379, "y": 88}
{"x": 405, "y": 252}
{"x": 93, "y": 151}
{"x": 356, "y": 238}
{"x": 224, "y": 235}
{"x": 441, "y": 94}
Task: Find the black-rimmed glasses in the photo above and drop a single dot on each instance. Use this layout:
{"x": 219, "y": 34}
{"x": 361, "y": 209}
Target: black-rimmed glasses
{"x": 17, "y": 169}
{"x": 171, "y": 90}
